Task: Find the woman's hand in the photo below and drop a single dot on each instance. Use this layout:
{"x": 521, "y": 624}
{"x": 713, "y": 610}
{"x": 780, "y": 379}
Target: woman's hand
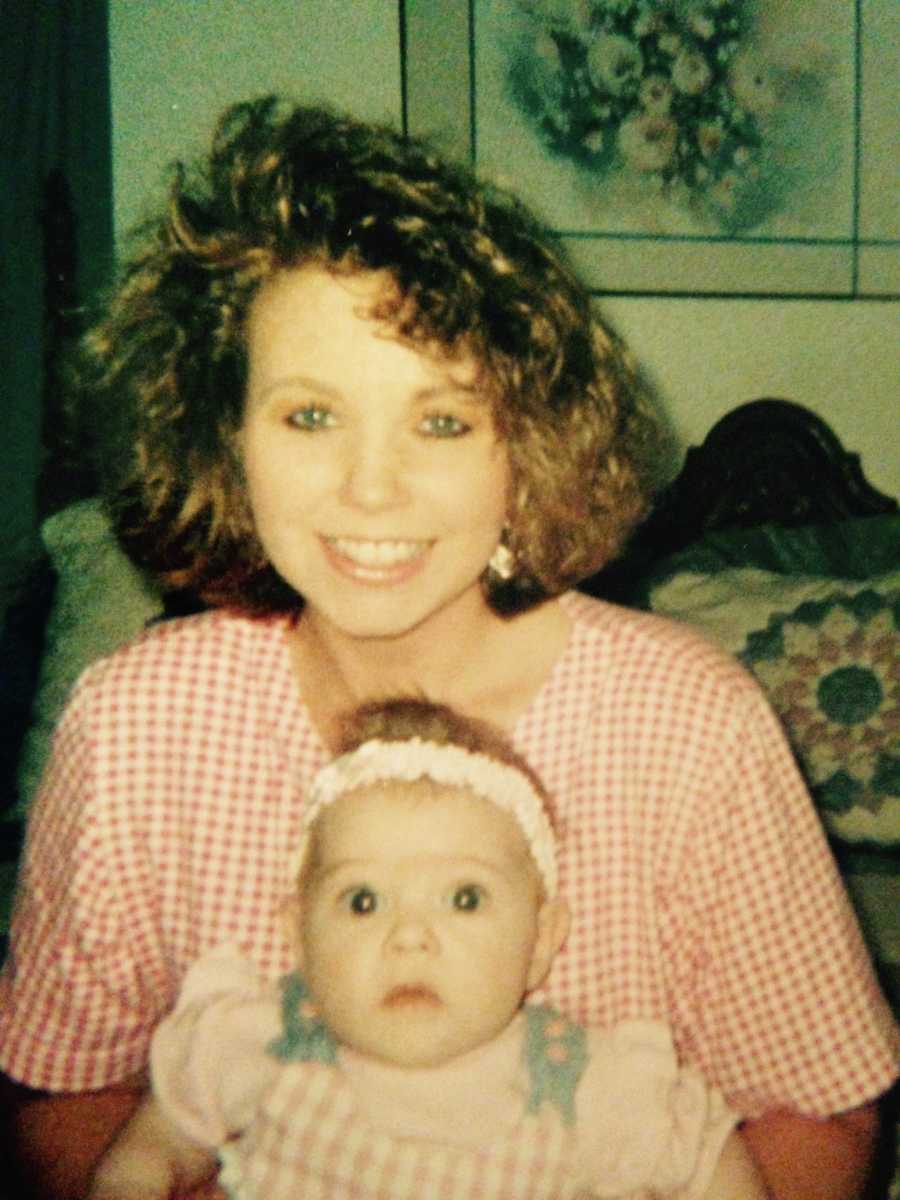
{"x": 151, "y": 1159}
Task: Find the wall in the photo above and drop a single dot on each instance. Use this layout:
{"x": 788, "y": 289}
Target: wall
{"x": 839, "y": 358}
{"x": 175, "y": 63}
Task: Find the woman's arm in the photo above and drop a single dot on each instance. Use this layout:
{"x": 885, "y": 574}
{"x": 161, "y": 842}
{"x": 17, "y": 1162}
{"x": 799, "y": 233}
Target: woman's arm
{"x": 802, "y": 1158}
{"x": 57, "y": 1140}
{"x": 768, "y": 899}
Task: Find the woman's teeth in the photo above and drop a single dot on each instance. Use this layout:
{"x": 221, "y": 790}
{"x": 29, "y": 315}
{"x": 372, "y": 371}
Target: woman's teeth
{"x": 377, "y": 554}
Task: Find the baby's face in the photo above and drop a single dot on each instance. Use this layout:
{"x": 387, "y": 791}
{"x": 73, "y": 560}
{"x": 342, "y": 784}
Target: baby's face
{"x": 422, "y": 921}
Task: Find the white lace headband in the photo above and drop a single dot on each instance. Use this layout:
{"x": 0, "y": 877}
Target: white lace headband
{"x": 379, "y": 762}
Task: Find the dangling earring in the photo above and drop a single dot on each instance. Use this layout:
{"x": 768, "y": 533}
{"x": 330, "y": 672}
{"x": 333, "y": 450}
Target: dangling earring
{"x": 503, "y": 562}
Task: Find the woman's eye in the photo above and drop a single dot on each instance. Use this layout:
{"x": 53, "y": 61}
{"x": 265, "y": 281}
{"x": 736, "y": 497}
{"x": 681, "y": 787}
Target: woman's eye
{"x": 311, "y": 418}
{"x": 444, "y": 425}
{"x": 361, "y": 901}
{"x": 468, "y": 898}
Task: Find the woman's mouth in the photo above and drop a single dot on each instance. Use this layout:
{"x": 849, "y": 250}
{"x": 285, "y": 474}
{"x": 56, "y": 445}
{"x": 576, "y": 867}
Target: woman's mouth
{"x": 381, "y": 560}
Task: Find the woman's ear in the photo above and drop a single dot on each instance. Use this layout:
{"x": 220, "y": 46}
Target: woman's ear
{"x": 552, "y": 931}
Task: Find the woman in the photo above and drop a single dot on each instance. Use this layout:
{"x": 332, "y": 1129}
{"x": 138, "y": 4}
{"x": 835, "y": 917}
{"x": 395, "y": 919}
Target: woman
{"x": 368, "y": 418}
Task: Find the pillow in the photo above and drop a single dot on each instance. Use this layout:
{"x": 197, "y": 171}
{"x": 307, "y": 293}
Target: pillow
{"x": 826, "y": 652}
{"x": 856, "y": 548}
{"x": 100, "y": 601}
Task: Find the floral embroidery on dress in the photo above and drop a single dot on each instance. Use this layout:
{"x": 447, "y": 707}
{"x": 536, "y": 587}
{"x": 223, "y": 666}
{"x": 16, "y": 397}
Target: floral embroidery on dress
{"x": 555, "y": 1052}
{"x": 304, "y": 1037}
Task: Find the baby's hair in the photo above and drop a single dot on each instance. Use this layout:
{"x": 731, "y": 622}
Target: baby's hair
{"x": 402, "y": 718}
{"x": 411, "y": 721}
{"x": 468, "y": 270}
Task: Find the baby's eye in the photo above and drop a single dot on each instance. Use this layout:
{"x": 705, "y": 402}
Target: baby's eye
{"x": 311, "y": 418}
{"x": 468, "y": 898}
{"x": 444, "y": 425}
{"x": 361, "y": 901}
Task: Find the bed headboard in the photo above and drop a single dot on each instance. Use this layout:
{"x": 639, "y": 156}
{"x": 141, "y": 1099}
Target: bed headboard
{"x": 768, "y": 461}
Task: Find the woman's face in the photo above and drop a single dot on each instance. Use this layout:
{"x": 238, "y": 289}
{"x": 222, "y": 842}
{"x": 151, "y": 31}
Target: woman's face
{"x": 376, "y": 479}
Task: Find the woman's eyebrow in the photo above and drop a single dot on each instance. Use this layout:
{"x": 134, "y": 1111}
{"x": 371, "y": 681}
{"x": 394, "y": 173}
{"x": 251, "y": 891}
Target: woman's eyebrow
{"x": 307, "y": 383}
{"x": 468, "y": 393}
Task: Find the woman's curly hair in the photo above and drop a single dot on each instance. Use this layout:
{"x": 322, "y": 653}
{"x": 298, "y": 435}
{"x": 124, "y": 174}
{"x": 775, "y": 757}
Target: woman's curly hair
{"x": 475, "y": 273}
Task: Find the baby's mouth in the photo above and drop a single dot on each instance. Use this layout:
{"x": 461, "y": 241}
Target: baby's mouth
{"x": 411, "y": 995}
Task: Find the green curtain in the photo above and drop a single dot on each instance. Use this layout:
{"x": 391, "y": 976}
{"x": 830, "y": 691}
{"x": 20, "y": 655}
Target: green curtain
{"x": 55, "y": 231}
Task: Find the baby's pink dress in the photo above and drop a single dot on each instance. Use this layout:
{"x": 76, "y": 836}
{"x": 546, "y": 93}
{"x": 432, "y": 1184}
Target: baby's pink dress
{"x": 547, "y": 1111}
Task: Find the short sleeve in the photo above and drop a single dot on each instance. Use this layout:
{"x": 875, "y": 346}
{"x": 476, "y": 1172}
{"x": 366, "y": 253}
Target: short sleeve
{"x": 223, "y": 1010}
{"x": 642, "y": 1122}
{"x": 83, "y": 984}
{"x": 165, "y": 826}
{"x": 774, "y": 993}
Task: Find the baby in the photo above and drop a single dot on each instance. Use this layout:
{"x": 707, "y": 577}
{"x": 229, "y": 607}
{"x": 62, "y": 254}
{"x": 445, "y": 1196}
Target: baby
{"x": 403, "y": 1063}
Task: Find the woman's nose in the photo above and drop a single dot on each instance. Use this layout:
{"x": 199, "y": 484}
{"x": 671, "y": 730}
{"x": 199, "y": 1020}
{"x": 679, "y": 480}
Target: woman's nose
{"x": 372, "y": 474}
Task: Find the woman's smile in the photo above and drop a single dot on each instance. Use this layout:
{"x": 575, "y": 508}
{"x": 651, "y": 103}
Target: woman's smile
{"x": 376, "y": 561}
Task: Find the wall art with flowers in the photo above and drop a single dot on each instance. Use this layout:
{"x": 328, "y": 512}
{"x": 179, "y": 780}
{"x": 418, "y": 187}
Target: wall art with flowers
{"x": 671, "y": 126}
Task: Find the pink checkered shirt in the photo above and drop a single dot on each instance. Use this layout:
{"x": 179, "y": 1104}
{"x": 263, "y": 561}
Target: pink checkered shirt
{"x": 703, "y": 891}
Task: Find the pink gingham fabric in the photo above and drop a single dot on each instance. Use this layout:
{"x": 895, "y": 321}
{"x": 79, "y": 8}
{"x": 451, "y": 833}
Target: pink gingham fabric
{"x": 544, "y": 1111}
{"x": 702, "y": 889}
{"x": 311, "y": 1142}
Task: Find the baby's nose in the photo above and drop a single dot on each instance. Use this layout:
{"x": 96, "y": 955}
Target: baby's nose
{"x": 412, "y": 932}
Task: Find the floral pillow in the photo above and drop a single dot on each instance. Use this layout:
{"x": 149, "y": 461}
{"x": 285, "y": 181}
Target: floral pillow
{"x": 828, "y": 654}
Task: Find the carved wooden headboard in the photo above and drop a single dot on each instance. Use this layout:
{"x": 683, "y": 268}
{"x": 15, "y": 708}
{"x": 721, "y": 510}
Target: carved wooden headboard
{"x": 766, "y": 462}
